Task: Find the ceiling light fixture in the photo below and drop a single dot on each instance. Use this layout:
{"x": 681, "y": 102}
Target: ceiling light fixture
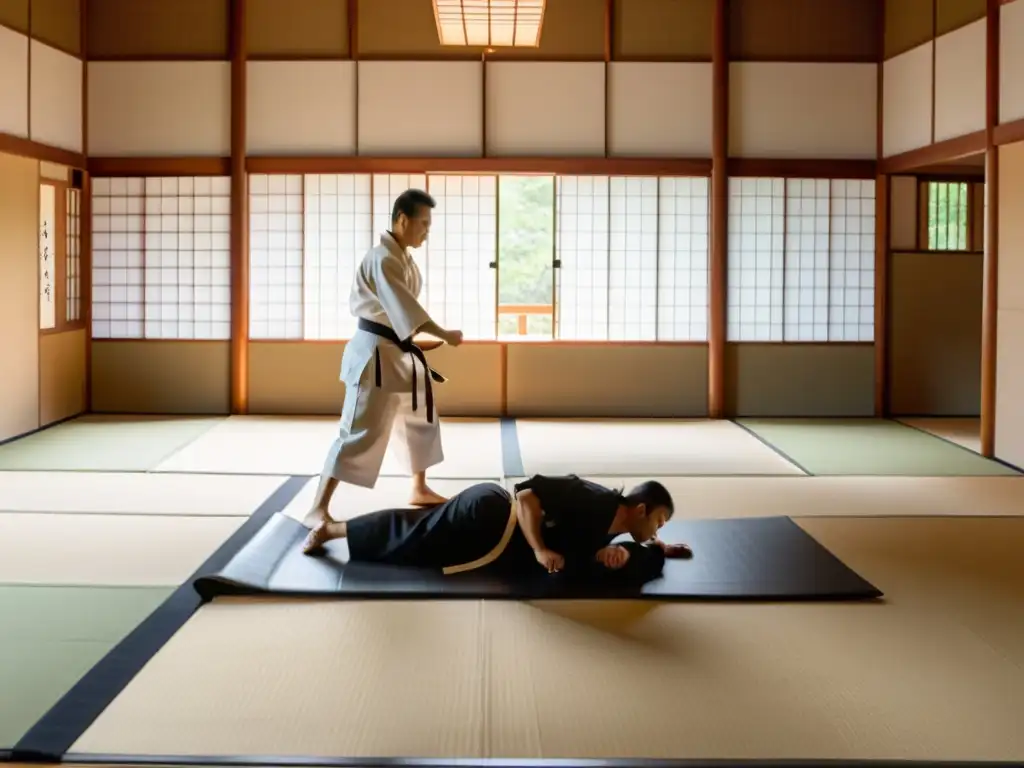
{"x": 495, "y": 23}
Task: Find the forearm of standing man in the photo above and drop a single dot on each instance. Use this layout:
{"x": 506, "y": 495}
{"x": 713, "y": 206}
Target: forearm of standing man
{"x": 454, "y": 338}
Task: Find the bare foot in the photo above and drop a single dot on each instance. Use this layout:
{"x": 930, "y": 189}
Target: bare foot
{"x": 316, "y": 539}
{"x": 424, "y": 497}
{"x": 316, "y": 517}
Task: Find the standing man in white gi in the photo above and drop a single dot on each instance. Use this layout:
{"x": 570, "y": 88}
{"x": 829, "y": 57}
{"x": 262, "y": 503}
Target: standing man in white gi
{"x": 384, "y": 371}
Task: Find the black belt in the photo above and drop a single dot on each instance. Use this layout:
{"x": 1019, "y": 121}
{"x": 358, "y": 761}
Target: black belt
{"x": 408, "y": 346}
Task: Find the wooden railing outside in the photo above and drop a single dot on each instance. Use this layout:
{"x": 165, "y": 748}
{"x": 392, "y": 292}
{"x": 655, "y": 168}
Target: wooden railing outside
{"x": 522, "y": 313}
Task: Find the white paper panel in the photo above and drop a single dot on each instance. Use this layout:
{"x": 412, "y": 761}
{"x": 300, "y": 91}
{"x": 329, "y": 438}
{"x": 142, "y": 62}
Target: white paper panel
{"x": 188, "y": 258}
{"x": 459, "y": 281}
{"x": 907, "y": 101}
{"x": 683, "y": 223}
{"x": 545, "y": 108}
{"x": 803, "y": 110}
{"x": 301, "y": 107}
{"x": 851, "y": 278}
{"x": 1011, "y": 226}
{"x": 336, "y": 235}
{"x": 446, "y": 121}
{"x": 1010, "y": 322}
{"x": 659, "y": 109}
{"x": 1011, "y": 62}
{"x": 960, "y": 82}
{"x": 582, "y": 230}
{"x": 13, "y": 83}
{"x": 118, "y": 258}
{"x": 1009, "y": 383}
{"x": 756, "y": 259}
{"x": 161, "y": 257}
{"x": 159, "y": 108}
{"x": 56, "y": 98}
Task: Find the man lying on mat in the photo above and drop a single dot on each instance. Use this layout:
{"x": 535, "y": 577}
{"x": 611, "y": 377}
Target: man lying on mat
{"x": 562, "y": 523}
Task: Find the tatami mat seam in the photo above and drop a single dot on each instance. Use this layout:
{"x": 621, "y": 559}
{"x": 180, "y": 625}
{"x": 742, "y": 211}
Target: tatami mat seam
{"x": 772, "y": 447}
{"x": 944, "y": 439}
{"x": 65, "y": 722}
{"x": 37, "y": 430}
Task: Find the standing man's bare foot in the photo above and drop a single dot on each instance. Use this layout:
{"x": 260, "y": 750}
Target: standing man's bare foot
{"x": 321, "y": 534}
{"x": 425, "y": 497}
{"x": 422, "y": 495}
{"x": 317, "y": 517}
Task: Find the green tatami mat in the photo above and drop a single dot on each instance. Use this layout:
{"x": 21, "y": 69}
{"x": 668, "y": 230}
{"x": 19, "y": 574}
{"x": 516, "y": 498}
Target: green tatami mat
{"x": 51, "y": 636}
{"x": 868, "y": 447}
{"x": 105, "y": 443}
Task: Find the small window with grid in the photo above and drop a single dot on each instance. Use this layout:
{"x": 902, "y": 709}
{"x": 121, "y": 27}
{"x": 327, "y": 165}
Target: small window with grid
{"x": 947, "y": 215}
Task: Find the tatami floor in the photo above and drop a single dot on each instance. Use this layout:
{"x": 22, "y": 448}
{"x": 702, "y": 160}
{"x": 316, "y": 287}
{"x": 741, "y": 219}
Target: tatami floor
{"x": 103, "y": 518}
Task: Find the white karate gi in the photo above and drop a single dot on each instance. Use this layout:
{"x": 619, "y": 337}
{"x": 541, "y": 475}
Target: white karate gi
{"x": 386, "y": 291}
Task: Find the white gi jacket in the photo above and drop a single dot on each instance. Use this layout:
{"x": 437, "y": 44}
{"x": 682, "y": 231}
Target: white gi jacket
{"x": 385, "y": 290}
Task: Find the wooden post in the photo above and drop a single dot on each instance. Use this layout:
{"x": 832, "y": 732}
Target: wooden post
{"x": 717, "y": 308}
{"x": 239, "y": 216}
{"x": 991, "y": 265}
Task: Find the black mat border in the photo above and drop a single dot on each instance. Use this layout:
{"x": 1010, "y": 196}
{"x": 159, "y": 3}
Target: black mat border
{"x": 287, "y": 761}
{"x": 57, "y": 731}
{"x": 511, "y": 453}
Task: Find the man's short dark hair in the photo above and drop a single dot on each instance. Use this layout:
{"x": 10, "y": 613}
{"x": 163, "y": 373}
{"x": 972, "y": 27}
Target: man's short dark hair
{"x": 653, "y": 494}
{"x": 410, "y": 202}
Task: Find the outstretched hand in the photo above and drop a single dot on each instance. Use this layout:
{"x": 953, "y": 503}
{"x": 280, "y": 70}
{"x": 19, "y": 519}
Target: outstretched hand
{"x": 676, "y": 551}
{"x": 551, "y": 561}
{"x": 613, "y": 557}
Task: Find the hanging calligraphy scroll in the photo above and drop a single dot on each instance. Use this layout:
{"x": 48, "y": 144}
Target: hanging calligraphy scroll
{"x": 47, "y": 257}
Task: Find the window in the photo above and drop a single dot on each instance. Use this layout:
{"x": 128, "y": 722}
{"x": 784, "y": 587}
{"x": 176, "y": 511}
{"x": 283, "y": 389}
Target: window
{"x": 60, "y": 279}
{"x": 948, "y": 215}
{"x": 526, "y": 254}
{"x": 801, "y": 260}
{"x": 161, "y": 258}
{"x": 461, "y": 252}
{"x": 583, "y": 276}
{"x": 73, "y": 256}
{"x": 683, "y": 258}
{"x": 632, "y": 254}
{"x": 337, "y": 236}
{"x": 755, "y": 259}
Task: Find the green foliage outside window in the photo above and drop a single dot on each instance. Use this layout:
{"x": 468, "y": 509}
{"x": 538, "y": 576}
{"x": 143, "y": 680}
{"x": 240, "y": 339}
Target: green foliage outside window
{"x": 947, "y": 215}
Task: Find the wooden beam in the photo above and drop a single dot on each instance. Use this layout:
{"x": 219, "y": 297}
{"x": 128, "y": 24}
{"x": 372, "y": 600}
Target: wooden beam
{"x": 239, "y": 216}
{"x": 583, "y": 166}
{"x": 718, "y": 273}
{"x": 160, "y": 166}
{"x": 801, "y": 169}
{"x": 16, "y": 145}
{"x": 1009, "y": 133}
{"x": 933, "y": 154}
{"x": 990, "y": 294}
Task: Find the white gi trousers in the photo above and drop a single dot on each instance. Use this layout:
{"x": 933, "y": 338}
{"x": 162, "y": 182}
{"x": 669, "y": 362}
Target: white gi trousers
{"x": 369, "y": 418}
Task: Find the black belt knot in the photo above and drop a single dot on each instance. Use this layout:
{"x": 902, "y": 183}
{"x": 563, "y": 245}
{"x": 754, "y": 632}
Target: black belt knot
{"x": 382, "y": 331}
